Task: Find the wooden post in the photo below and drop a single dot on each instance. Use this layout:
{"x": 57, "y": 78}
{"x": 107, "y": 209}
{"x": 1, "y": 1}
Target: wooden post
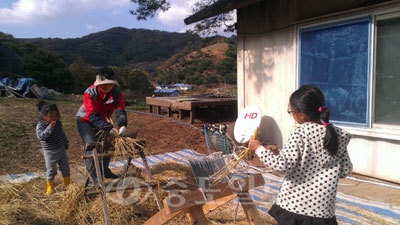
{"x": 180, "y": 114}
{"x": 195, "y": 215}
{"x": 148, "y": 173}
{"x": 169, "y": 112}
{"x": 126, "y": 167}
{"x": 249, "y": 208}
{"x": 192, "y": 115}
{"x": 100, "y": 181}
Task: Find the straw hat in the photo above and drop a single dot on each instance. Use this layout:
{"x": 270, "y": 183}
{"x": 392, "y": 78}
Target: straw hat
{"x": 103, "y": 80}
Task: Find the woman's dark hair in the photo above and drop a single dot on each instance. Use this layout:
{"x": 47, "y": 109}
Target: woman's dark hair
{"x": 308, "y": 99}
{"x": 45, "y": 108}
{"x": 107, "y": 73}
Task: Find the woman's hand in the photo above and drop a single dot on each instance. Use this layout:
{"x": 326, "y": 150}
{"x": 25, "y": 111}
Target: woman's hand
{"x": 122, "y": 131}
{"x": 254, "y": 144}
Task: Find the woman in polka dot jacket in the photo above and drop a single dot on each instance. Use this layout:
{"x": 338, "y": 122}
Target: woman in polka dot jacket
{"x": 313, "y": 159}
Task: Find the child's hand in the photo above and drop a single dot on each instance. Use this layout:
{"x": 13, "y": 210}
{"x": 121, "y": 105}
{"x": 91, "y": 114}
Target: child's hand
{"x": 273, "y": 148}
{"x": 53, "y": 123}
{"x": 254, "y": 144}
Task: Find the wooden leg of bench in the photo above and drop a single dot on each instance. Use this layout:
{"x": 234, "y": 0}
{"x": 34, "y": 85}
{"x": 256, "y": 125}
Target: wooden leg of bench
{"x": 195, "y": 215}
{"x": 249, "y": 208}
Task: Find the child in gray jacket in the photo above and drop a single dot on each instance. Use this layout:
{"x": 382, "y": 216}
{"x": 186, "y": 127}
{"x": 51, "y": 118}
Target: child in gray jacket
{"x": 54, "y": 144}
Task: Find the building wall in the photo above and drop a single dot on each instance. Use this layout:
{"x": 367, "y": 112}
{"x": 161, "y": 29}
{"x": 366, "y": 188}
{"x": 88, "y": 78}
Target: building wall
{"x": 266, "y": 78}
{"x": 267, "y": 73}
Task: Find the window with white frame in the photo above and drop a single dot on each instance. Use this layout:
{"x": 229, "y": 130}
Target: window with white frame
{"x": 335, "y": 58}
{"x": 387, "y": 72}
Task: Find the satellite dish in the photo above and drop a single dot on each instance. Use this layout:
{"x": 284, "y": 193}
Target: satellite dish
{"x": 246, "y": 123}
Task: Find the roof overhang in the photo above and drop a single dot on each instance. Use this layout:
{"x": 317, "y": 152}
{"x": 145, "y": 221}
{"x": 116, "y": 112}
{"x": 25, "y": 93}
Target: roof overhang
{"x": 217, "y": 8}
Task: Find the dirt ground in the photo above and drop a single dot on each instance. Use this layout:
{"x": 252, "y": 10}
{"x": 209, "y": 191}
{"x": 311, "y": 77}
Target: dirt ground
{"x": 19, "y": 147}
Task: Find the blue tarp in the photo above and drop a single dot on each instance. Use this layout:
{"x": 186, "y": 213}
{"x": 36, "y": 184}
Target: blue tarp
{"x": 169, "y": 92}
{"x": 21, "y": 85}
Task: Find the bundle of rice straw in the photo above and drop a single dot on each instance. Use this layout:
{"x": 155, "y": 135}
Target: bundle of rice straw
{"x": 124, "y": 146}
{"x": 218, "y": 176}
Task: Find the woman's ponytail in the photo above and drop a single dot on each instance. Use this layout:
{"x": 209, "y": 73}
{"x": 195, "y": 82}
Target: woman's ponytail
{"x": 331, "y": 137}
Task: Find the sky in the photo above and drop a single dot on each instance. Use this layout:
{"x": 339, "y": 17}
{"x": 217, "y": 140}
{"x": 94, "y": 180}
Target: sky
{"x": 77, "y": 18}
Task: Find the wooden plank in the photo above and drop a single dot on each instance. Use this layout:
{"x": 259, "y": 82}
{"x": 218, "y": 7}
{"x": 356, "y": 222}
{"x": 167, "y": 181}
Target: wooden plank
{"x": 212, "y": 205}
{"x": 164, "y": 217}
{"x": 187, "y": 200}
{"x": 189, "y": 105}
{"x": 249, "y": 208}
{"x": 98, "y": 155}
{"x": 195, "y": 215}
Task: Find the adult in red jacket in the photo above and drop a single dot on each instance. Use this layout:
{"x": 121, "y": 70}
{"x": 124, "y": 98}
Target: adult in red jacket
{"x": 99, "y": 102}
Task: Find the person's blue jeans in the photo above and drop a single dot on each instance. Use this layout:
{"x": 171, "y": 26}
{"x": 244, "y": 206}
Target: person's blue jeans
{"x": 88, "y": 135}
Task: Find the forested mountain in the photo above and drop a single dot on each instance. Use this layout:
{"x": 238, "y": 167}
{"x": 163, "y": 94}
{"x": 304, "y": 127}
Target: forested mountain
{"x": 69, "y": 65}
{"x": 118, "y": 46}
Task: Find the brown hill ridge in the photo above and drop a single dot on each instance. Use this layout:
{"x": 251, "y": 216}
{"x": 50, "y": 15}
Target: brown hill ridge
{"x": 214, "y": 52}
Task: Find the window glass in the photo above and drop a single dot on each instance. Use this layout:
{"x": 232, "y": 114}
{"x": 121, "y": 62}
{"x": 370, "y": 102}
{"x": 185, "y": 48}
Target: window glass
{"x": 387, "y": 87}
{"x": 335, "y": 58}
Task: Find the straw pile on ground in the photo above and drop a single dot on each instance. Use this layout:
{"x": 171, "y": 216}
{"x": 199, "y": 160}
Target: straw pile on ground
{"x": 27, "y": 204}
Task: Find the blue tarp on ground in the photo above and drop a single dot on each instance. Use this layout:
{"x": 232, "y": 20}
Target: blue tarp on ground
{"x": 349, "y": 209}
{"x": 21, "y": 85}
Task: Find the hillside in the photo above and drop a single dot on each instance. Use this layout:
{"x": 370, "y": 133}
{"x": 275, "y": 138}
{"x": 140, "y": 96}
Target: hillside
{"x": 119, "y": 47}
{"x": 210, "y": 64}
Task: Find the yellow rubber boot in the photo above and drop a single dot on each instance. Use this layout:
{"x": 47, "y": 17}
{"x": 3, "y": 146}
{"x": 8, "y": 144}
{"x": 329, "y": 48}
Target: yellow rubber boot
{"x": 50, "y": 187}
{"x": 67, "y": 181}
